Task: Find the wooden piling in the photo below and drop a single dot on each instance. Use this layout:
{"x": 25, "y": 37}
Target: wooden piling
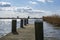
{"x": 21, "y": 24}
{"x": 38, "y": 30}
{"x": 25, "y": 22}
{"x": 14, "y": 22}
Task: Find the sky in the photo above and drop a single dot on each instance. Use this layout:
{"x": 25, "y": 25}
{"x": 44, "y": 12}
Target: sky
{"x": 50, "y": 6}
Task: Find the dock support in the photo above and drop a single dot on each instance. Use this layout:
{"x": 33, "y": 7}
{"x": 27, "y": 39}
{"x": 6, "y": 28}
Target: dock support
{"x": 21, "y": 24}
{"x": 25, "y": 22}
{"x": 14, "y": 22}
{"x": 38, "y": 30}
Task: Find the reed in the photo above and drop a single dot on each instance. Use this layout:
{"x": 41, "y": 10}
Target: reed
{"x": 52, "y": 19}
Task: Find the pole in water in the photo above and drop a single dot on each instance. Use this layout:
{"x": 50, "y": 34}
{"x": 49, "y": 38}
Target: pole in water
{"x": 21, "y": 24}
{"x": 25, "y": 22}
{"x": 14, "y": 22}
{"x": 38, "y": 30}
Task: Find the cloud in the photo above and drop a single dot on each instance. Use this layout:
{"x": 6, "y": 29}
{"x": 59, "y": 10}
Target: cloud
{"x": 35, "y": 12}
{"x": 31, "y": 2}
{"x": 25, "y": 7}
{"x": 14, "y": 8}
{"x": 44, "y": 1}
{"x": 38, "y": 10}
{"x": 7, "y": 8}
{"x": 12, "y": 14}
{"x": 5, "y": 4}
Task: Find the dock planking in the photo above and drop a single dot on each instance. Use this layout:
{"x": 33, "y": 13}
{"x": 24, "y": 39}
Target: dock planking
{"x": 28, "y": 33}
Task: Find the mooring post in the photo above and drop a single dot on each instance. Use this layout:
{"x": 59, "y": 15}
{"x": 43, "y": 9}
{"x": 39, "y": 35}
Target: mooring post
{"x": 21, "y": 23}
{"x": 28, "y": 19}
{"x": 14, "y": 22}
{"x": 38, "y": 30}
{"x": 25, "y": 22}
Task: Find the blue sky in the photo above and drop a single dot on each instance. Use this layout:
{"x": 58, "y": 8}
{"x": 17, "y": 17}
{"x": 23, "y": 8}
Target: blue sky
{"x": 48, "y": 5}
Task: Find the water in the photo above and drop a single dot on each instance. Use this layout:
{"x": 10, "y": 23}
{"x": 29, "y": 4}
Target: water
{"x": 49, "y": 30}
{"x": 5, "y": 26}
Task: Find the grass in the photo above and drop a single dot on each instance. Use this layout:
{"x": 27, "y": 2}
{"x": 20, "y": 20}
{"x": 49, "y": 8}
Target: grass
{"x": 52, "y": 19}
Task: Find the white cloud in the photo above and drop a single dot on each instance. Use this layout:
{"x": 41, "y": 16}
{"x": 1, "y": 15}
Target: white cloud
{"x": 25, "y": 7}
{"x": 44, "y": 1}
{"x": 31, "y": 2}
{"x": 38, "y": 10}
{"x": 3, "y": 3}
{"x": 14, "y": 8}
{"x": 37, "y": 13}
{"x": 12, "y": 14}
{"x": 8, "y": 8}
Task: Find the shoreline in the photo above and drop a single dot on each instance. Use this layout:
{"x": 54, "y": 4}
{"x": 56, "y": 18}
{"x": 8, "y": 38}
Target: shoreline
{"x": 26, "y": 33}
{"x": 52, "y": 20}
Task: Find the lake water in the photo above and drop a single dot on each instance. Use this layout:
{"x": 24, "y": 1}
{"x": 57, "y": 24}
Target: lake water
{"x": 49, "y": 29}
{"x": 5, "y": 26}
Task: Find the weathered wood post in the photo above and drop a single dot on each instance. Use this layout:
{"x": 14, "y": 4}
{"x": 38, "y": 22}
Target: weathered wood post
{"x": 38, "y": 30}
{"x": 21, "y": 24}
{"x": 14, "y": 22}
{"x": 25, "y": 22}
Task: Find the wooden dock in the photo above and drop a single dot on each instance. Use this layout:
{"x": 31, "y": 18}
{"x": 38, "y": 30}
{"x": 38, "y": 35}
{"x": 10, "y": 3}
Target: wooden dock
{"x": 27, "y": 33}
{"x": 24, "y": 33}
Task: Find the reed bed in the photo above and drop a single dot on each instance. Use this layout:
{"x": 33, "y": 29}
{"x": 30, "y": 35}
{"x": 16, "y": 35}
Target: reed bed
{"x": 52, "y": 19}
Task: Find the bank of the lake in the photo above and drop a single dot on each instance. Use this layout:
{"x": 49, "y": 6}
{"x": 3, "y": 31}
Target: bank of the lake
{"x": 55, "y": 20}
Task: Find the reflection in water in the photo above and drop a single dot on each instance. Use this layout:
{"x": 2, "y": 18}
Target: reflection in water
{"x": 51, "y": 31}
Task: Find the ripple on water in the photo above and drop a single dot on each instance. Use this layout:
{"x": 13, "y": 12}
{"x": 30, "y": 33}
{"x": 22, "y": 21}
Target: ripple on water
{"x": 51, "y": 31}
